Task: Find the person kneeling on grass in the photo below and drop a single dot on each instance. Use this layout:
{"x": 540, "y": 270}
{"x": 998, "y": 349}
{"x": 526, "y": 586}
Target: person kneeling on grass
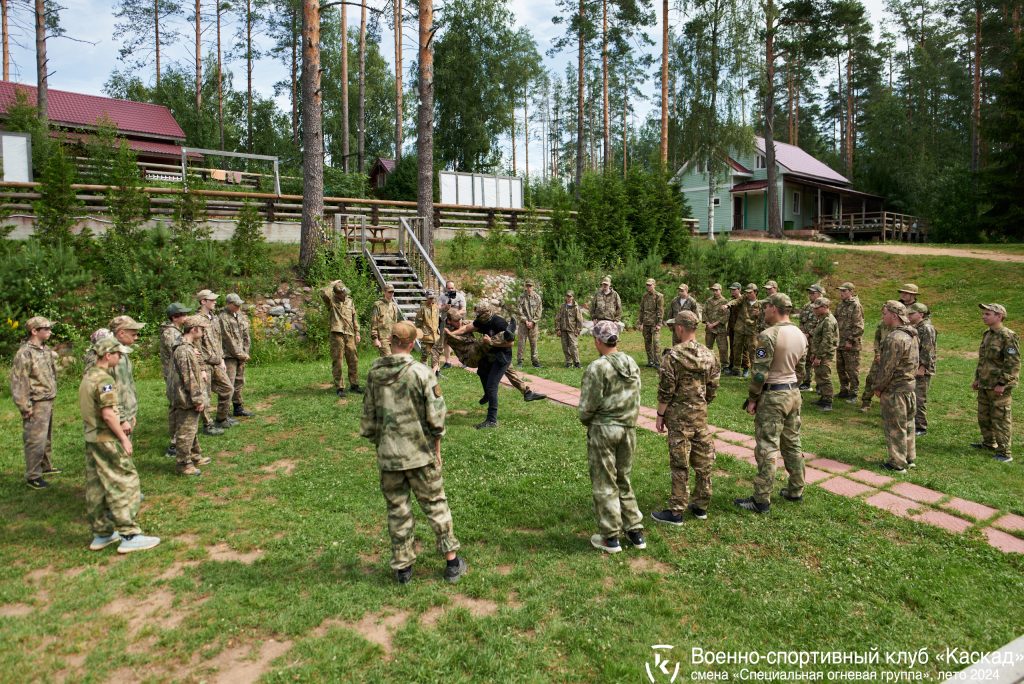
{"x": 403, "y": 415}
{"x": 609, "y": 406}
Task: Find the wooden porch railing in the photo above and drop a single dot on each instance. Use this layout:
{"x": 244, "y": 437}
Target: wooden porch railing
{"x": 888, "y": 225}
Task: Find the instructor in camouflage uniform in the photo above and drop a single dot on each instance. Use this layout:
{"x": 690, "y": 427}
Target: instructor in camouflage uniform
{"x": 344, "y": 322}
{"x": 403, "y": 415}
{"x": 716, "y": 324}
{"x": 994, "y": 379}
{"x": 470, "y": 352}
{"x": 568, "y": 326}
{"x": 606, "y": 305}
{"x": 609, "y": 406}
{"x": 689, "y": 379}
{"x": 33, "y": 388}
{"x": 850, "y": 317}
{"x": 652, "y": 311}
{"x": 893, "y": 384}
{"x": 529, "y": 311}
{"x": 824, "y": 341}
{"x": 926, "y": 344}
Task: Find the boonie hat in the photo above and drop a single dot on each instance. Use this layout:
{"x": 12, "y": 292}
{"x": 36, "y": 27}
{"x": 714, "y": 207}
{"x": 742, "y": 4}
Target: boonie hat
{"x": 994, "y": 308}
{"x": 125, "y": 323}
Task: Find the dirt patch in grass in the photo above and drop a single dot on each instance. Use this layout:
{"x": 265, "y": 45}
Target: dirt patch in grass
{"x": 285, "y": 466}
{"x": 223, "y": 553}
{"x": 250, "y": 448}
{"x": 377, "y": 628}
{"x": 16, "y": 610}
{"x": 286, "y": 435}
{"x": 39, "y": 574}
{"x": 536, "y": 531}
{"x": 458, "y": 412}
{"x": 177, "y": 569}
{"x": 370, "y": 562}
{"x": 271, "y": 420}
{"x": 648, "y": 564}
{"x": 247, "y": 662}
{"x": 267, "y": 402}
{"x": 478, "y": 608}
{"x": 155, "y": 608}
{"x": 504, "y": 570}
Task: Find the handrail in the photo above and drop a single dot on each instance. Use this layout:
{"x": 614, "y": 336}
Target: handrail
{"x": 420, "y": 251}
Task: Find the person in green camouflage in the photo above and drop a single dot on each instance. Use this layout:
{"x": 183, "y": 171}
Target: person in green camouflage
{"x": 919, "y": 316}
{"x": 865, "y": 398}
{"x": 217, "y": 383}
{"x": 716, "y": 324}
{"x": 687, "y": 385}
{"x": 385, "y": 315}
{"x": 606, "y": 305}
{"x": 112, "y": 493}
{"x": 822, "y": 352}
{"x": 236, "y": 341}
{"x": 529, "y": 312}
{"x": 746, "y": 326}
{"x": 774, "y": 400}
{"x": 850, "y": 317}
{"x": 188, "y": 396}
{"x": 735, "y": 305}
{"x": 403, "y": 415}
{"x": 344, "y": 332}
{"x": 995, "y": 378}
{"x": 682, "y": 302}
{"x": 126, "y": 331}
{"x": 568, "y": 326}
{"x": 33, "y": 388}
{"x": 170, "y": 337}
{"x": 428, "y": 320}
{"x": 652, "y": 310}
{"x": 770, "y": 288}
{"x": 807, "y": 322}
{"x": 609, "y": 406}
{"x": 893, "y": 384}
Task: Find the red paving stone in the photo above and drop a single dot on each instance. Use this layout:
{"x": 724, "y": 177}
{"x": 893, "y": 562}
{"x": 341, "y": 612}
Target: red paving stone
{"x": 896, "y": 505}
{"x": 730, "y": 436}
{"x": 917, "y": 492}
{"x": 969, "y": 508}
{"x": 812, "y": 475}
{"x": 945, "y": 521}
{"x": 844, "y": 487}
{"x": 1010, "y": 523}
{"x": 1006, "y": 543}
{"x": 830, "y": 465}
{"x": 733, "y": 449}
{"x": 868, "y": 477}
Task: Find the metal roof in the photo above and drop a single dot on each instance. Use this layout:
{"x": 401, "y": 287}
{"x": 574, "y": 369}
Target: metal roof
{"x": 797, "y": 161}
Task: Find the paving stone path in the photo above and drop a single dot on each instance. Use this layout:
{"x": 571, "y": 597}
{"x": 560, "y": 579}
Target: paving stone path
{"x": 904, "y": 499}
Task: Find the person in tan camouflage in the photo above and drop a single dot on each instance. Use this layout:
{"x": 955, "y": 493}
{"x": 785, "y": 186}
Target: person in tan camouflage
{"x": 822, "y": 352}
{"x": 170, "y": 336}
{"x": 33, "y": 388}
{"x": 529, "y": 312}
{"x": 216, "y": 371}
{"x": 609, "y": 406}
{"x": 404, "y": 416}
{"x": 893, "y": 384}
{"x": 606, "y": 305}
{"x": 807, "y": 322}
{"x": 909, "y": 293}
{"x": 652, "y": 311}
{"x": 850, "y": 318}
{"x": 746, "y": 326}
{"x": 736, "y": 363}
{"x": 470, "y": 351}
{"x": 188, "y": 396}
{"x": 926, "y": 343}
{"x": 682, "y": 302}
{"x": 770, "y": 288}
{"x": 344, "y": 332}
{"x": 865, "y": 398}
{"x": 428, "y": 320}
{"x": 568, "y": 326}
{"x": 385, "y": 315}
{"x": 687, "y": 385}
{"x": 126, "y": 331}
{"x": 774, "y": 400}
{"x": 236, "y": 341}
{"x": 716, "y": 324}
{"x": 996, "y": 376}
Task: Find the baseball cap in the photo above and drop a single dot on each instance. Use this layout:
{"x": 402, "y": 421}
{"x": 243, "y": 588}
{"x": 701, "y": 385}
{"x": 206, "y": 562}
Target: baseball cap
{"x": 822, "y": 301}
{"x": 389, "y": 287}
{"x": 570, "y": 293}
{"x": 206, "y": 294}
{"x": 339, "y": 287}
{"x": 607, "y": 280}
{"x": 528, "y": 283}
{"x": 687, "y": 319}
{"x": 909, "y": 288}
{"x": 847, "y": 286}
{"x": 772, "y": 283}
{"x": 716, "y": 286}
{"x": 405, "y": 332}
{"x": 751, "y": 287}
{"x": 99, "y": 334}
{"x": 37, "y": 322}
{"x": 816, "y": 288}
{"x": 196, "y": 322}
{"x": 683, "y": 286}
{"x": 781, "y": 301}
{"x": 918, "y": 307}
{"x": 650, "y": 281}
{"x": 994, "y": 308}
{"x": 482, "y": 307}
{"x": 125, "y": 323}
{"x": 735, "y": 286}
{"x": 109, "y": 345}
{"x": 429, "y": 294}
{"x": 176, "y": 309}
{"x": 897, "y": 308}
{"x": 606, "y": 331}
{"x": 234, "y": 299}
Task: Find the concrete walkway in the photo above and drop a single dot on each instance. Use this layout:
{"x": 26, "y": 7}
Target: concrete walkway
{"x": 905, "y": 499}
{"x": 899, "y": 248}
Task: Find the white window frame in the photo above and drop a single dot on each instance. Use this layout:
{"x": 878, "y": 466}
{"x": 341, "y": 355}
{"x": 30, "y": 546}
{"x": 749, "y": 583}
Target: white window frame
{"x": 760, "y": 162}
{"x": 796, "y": 203}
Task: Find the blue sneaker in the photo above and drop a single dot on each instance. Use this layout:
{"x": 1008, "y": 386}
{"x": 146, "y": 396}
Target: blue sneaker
{"x": 99, "y": 542}
{"x": 137, "y": 542}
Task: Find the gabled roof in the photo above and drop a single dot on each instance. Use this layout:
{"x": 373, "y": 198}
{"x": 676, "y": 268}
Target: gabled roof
{"x": 387, "y": 164}
{"x": 797, "y": 161}
{"x": 749, "y": 186}
{"x": 739, "y": 168}
{"x": 77, "y": 110}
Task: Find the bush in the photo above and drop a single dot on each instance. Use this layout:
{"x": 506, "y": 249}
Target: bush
{"x": 248, "y": 244}
{"x": 57, "y": 206}
{"x": 602, "y": 227}
{"x": 337, "y": 183}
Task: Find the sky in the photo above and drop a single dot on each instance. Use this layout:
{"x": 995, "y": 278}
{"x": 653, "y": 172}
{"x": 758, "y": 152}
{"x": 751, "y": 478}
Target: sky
{"x": 85, "y": 66}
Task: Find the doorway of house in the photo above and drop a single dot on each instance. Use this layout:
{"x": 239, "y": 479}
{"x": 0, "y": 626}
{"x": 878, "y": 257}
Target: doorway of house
{"x": 737, "y": 212}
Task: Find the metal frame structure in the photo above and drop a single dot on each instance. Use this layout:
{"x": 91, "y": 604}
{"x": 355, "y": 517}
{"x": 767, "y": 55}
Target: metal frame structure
{"x": 238, "y": 155}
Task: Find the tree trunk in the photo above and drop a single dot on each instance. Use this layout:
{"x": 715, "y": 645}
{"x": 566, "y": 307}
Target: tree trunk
{"x": 513, "y": 139}
{"x": 344, "y": 88}
{"x": 361, "y": 130}
{"x": 581, "y": 75}
{"x": 664, "y": 84}
{"x": 248, "y": 76}
{"x": 42, "y": 101}
{"x": 220, "y": 79}
{"x": 607, "y": 137}
{"x": 6, "y": 40}
{"x": 774, "y": 219}
{"x": 295, "y": 81}
{"x": 425, "y": 126}
{"x": 199, "y": 58}
{"x": 156, "y": 34}
{"x": 976, "y": 94}
{"x": 625, "y": 131}
{"x": 526, "y": 136}
{"x": 398, "y": 80}
{"x": 312, "y": 235}
{"x": 849, "y": 113}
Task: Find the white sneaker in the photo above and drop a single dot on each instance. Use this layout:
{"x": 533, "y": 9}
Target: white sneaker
{"x": 99, "y": 543}
{"x": 138, "y": 542}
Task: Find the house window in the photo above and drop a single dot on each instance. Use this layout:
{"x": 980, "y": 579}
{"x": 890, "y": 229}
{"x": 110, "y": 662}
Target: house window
{"x": 796, "y": 203}
{"x": 760, "y": 163}
{"x": 716, "y": 202}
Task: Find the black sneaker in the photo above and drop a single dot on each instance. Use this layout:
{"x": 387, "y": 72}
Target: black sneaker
{"x": 446, "y": 366}
{"x": 171, "y": 452}
{"x": 38, "y": 483}
{"x": 212, "y": 430}
{"x": 355, "y": 389}
{"x": 534, "y": 396}
{"x": 784, "y": 493}
{"x": 486, "y": 425}
{"x": 894, "y": 469}
{"x": 843, "y": 394}
{"x": 749, "y": 504}
{"x": 52, "y": 471}
{"x": 568, "y": 364}
{"x": 667, "y": 516}
{"x": 241, "y": 412}
{"x": 609, "y": 545}
{"x": 983, "y": 446}
{"x": 483, "y": 400}
{"x": 825, "y": 406}
{"x": 636, "y": 538}
{"x": 805, "y": 387}
{"x": 577, "y": 365}
{"x": 1002, "y": 458}
{"x": 340, "y": 393}
{"x": 453, "y": 573}
{"x": 403, "y": 576}
{"x": 698, "y": 513}
{"x": 536, "y": 364}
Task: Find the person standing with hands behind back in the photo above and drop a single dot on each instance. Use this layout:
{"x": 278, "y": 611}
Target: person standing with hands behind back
{"x": 33, "y": 388}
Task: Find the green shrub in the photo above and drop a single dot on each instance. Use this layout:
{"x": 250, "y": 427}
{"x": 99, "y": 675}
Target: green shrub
{"x": 337, "y": 183}
{"x": 248, "y": 244}
{"x": 57, "y": 207}
{"x": 602, "y": 227}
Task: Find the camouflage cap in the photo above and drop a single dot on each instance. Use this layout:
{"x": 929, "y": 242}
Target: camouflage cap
{"x": 651, "y": 281}
{"x": 339, "y": 287}
{"x": 125, "y": 323}
{"x": 195, "y": 322}
{"x": 994, "y": 308}
{"x": 683, "y": 286}
{"x": 918, "y": 307}
{"x": 897, "y": 308}
{"x": 772, "y": 283}
{"x": 847, "y": 286}
{"x": 716, "y": 286}
{"x": 109, "y": 345}
{"x": 429, "y": 294}
{"x": 234, "y": 299}
{"x": 483, "y": 307}
{"x": 607, "y": 280}
{"x": 99, "y": 334}
{"x": 529, "y": 283}
{"x": 735, "y": 286}
{"x": 751, "y": 287}
{"x": 781, "y": 301}
{"x": 570, "y": 293}
{"x": 816, "y": 288}
{"x": 206, "y": 294}
{"x": 909, "y": 288}
{"x": 388, "y": 287}
{"x": 37, "y": 322}
{"x": 606, "y": 331}
{"x": 177, "y": 309}
{"x": 687, "y": 319}
{"x": 822, "y": 302}
{"x": 405, "y": 332}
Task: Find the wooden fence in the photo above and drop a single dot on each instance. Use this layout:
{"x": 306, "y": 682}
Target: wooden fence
{"x": 888, "y": 225}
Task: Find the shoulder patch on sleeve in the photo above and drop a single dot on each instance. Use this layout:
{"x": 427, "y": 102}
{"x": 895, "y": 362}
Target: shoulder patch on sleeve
{"x": 106, "y": 388}
{"x": 437, "y": 391}
{"x": 1011, "y": 351}
{"x": 761, "y": 353}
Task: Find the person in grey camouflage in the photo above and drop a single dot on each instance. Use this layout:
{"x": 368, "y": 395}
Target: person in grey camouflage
{"x": 216, "y": 370}
{"x": 850, "y": 318}
{"x": 170, "y": 337}
{"x": 33, "y": 388}
{"x": 893, "y": 384}
{"x": 824, "y": 342}
{"x": 919, "y": 316}
{"x": 687, "y": 385}
{"x": 126, "y": 331}
{"x": 568, "y": 326}
{"x": 609, "y": 406}
{"x": 404, "y": 415}
{"x": 995, "y": 378}
{"x": 807, "y": 322}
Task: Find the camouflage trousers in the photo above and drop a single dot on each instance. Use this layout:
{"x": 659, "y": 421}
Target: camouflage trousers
{"x": 172, "y": 425}
{"x": 36, "y": 436}
{"x": 112, "y": 494}
{"x": 430, "y": 353}
{"x": 217, "y": 382}
{"x": 236, "y": 378}
{"x": 711, "y": 338}
{"x": 777, "y": 429}
{"x": 186, "y": 436}
{"x": 570, "y": 347}
{"x": 869, "y": 380}
{"x": 743, "y": 347}
{"x": 848, "y": 369}
{"x": 516, "y": 380}
{"x": 385, "y": 347}
{"x": 610, "y": 453}
{"x": 428, "y": 486}
{"x": 898, "y": 409}
{"x": 529, "y": 334}
{"x": 343, "y": 350}
{"x": 995, "y": 419}
{"x": 651, "y": 343}
{"x": 689, "y": 447}
{"x": 923, "y": 382}
{"x": 823, "y": 379}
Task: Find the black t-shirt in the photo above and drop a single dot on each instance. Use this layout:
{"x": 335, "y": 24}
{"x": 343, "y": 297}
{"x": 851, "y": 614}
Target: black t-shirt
{"x": 494, "y": 327}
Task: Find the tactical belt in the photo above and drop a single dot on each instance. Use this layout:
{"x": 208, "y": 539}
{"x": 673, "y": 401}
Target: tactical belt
{"x": 785, "y": 386}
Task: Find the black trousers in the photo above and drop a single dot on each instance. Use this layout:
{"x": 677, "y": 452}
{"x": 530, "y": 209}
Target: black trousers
{"x": 491, "y": 369}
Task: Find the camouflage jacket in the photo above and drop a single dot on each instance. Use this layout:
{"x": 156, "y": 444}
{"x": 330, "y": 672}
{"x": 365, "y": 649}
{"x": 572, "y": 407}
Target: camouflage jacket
{"x": 530, "y": 307}
{"x": 998, "y": 359}
{"x": 385, "y": 315}
{"x": 716, "y": 310}
{"x": 774, "y": 361}
{"x": 652, "y": 309}
{"x": 926, "y": 340}
{"x": 187, "y": 378}
{"x": 850, "y": 316}
{"x": 749, "y": 315}
{"x": 469, "y": 350}
{"x": 825, "y": 338}
{"x": 683, "y": 304}
{"x": 170, "y": 337}
{"x": 428, "y": 319}
{"x": 342, "y": 314}
{"x": 688, "y": 382}
{"x": 808, "y": 320}
{"x": 735, "y": 306}
{"x": 33, "y": 376}
{"x": 403, "y": 412}
{"x": 897, "y": 361}
{"x": 127, "y": 399}
{"x": 210, "y": 343}
{"x": 606, "y": 307}
{"x": 96, "y": 392}
{"x": 235, "y": 337}
{"x": 610, "y": 394}
{"x": 569, "y": 319}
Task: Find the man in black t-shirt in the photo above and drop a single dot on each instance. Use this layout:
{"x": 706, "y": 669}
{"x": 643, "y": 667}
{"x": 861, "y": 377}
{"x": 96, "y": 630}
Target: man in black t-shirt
{"x": 499, "y": 335}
